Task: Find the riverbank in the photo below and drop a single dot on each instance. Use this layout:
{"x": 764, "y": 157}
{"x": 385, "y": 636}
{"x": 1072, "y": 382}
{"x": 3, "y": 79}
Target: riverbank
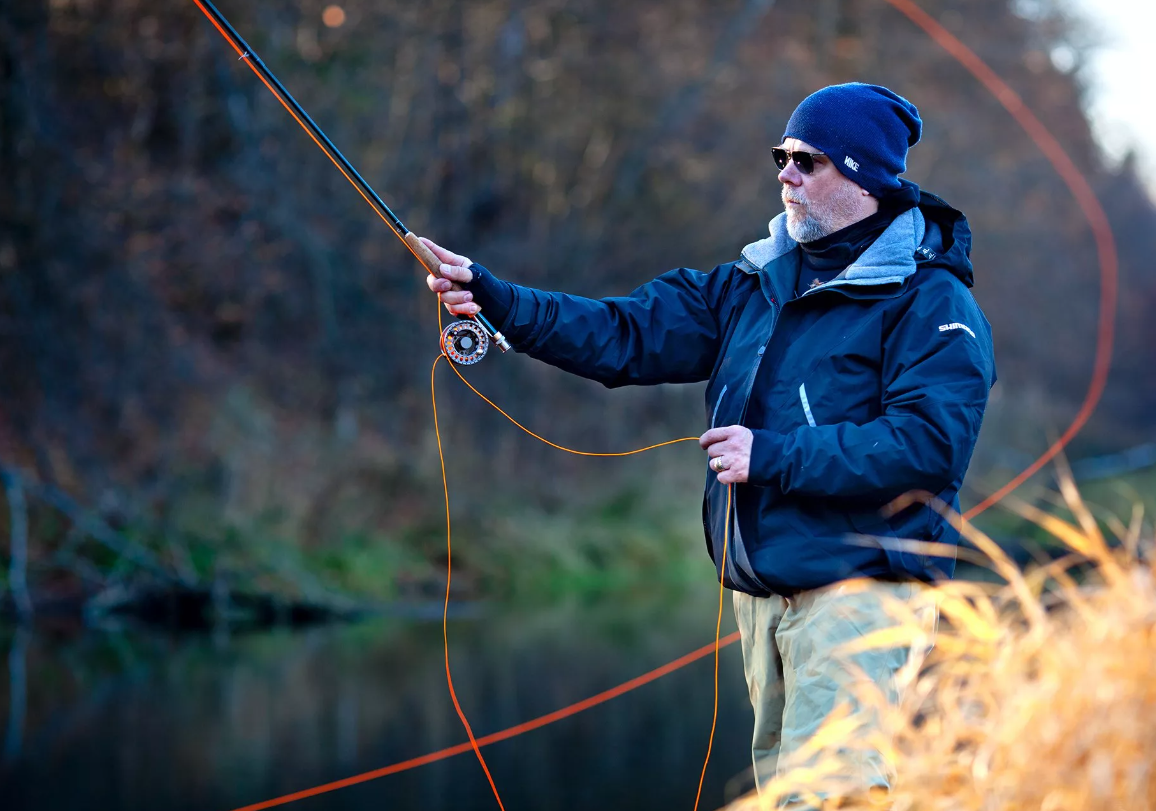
{"x": 203, "y": 571}
{"x": 73, "y": 561}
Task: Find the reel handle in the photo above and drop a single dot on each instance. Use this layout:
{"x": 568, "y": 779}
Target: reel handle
{"x": 433, "y": 265}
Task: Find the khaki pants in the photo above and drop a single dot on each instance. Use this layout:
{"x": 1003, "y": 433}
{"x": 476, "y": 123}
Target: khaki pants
{"x": 794, "y": 677}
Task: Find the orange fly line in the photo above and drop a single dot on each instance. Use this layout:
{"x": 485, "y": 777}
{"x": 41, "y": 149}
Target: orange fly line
{"x": 1108, "y": 264}
{"x": 449, "y": 565}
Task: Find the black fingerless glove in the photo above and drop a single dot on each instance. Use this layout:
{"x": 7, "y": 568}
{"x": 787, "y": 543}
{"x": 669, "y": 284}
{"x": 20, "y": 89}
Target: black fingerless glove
{"x": 494, "y": 296}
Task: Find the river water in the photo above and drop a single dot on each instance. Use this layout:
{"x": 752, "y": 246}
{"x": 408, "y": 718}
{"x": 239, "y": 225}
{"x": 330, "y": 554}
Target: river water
{"x": 118, "y": 719}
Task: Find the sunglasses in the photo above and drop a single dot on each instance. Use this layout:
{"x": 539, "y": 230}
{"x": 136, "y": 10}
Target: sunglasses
{"x": 804, "y": 161}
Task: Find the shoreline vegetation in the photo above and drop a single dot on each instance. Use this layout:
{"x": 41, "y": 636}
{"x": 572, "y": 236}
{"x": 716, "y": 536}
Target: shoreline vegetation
{"x": 67, "y": 560}
{"x": 1038, "y": 694}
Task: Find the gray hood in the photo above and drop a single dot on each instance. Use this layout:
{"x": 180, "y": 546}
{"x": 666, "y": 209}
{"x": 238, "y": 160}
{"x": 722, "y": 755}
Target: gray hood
{"x": 890, "y": 259}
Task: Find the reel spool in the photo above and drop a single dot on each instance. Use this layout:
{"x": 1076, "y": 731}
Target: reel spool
{"x": 465, "y": 342}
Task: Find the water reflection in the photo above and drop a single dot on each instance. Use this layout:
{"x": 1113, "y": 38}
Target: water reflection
{"x": 17, "y": 696}
{"x": 130, "y": 720}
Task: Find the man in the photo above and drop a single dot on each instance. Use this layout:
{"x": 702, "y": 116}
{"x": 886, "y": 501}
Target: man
{"x": 847, "y": 364}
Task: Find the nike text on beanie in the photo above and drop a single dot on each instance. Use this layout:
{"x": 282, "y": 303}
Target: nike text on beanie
{"x": 864, "y": 129}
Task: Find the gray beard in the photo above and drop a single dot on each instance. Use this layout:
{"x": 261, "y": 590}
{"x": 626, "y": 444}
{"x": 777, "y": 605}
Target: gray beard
{"x": 807, "y": 229}
{"x": 841, "y": 211}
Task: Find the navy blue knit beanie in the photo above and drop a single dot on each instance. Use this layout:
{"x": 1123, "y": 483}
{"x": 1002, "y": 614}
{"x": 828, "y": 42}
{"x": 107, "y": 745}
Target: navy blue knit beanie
{"x": 865, "y": 129}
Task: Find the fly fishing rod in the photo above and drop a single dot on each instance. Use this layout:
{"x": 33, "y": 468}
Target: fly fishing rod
{"x": 465, "y": 342}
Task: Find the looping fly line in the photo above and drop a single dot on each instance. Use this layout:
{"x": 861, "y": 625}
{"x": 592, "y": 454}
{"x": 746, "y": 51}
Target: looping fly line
{"x": 1036, "y": 130}
{"x": 449, "y": 559}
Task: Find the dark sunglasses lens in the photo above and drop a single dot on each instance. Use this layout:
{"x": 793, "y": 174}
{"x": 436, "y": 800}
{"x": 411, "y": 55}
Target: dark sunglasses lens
{"x": 781, "y": 157}
{"x": 804, "y": 161}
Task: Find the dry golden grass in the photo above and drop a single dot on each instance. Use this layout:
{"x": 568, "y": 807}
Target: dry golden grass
{"x": 1039, "y": 694}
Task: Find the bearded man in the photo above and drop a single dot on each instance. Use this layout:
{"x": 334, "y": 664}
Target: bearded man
{"x": 847, "y": 364}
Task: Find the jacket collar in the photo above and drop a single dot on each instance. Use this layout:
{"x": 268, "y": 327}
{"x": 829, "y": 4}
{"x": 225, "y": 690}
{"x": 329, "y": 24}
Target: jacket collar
{"x": 889, "y": 260}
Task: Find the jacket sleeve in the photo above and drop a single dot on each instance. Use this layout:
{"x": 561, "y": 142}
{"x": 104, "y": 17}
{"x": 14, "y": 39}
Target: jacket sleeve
{"x": 667, "y": 331}
{"x": 937, "y": 370}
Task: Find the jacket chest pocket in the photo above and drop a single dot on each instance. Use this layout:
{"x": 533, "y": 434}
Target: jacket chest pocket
{"x": 805, "y": 402}
{"x": 844, "y": 387}
{"x": 842, "y": 382}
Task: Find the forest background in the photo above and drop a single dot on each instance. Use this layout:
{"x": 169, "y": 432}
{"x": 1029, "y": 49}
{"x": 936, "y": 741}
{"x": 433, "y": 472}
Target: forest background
{"x": 210, "y": 342}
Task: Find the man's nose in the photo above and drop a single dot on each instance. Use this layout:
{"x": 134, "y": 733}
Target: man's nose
{"x": 791, "y": 175}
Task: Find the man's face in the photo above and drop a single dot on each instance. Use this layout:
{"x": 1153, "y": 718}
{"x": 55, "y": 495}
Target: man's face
{"x": 822, "y": 202}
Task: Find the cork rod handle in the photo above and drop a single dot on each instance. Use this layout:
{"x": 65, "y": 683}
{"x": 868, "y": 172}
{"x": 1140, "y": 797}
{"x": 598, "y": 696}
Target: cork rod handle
{"x": 433, "y": 265}
{"x": 431, "y": 262}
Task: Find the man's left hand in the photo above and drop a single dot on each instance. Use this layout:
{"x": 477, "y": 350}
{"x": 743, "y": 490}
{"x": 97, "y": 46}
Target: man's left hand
{"x": 729, "y": 450}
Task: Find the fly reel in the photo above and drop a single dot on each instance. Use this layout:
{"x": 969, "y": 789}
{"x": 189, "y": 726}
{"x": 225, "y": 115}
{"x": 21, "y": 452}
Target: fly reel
{"x": 465, "y": 342}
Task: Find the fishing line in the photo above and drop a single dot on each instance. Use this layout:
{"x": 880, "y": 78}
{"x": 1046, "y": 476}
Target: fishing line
{"x": 449, "y": 559}
{"x": 408, "y": 238}
{"x": 717, "y": 633}
{"x": 1090, "y": 207}
{"x": 501, "y": 735}
{"x": 449, "y": 575}
{"x": 1008, "y": 98}
{"x": 464, "y": 342}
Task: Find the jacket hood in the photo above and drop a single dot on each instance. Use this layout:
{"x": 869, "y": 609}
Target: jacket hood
{"x": 931, "y": 235}
{"x": 947, "y": 243}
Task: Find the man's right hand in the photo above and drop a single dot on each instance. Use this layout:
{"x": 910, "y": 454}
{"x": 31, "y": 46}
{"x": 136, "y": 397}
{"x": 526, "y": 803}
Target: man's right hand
{"x": 455, "y": 272}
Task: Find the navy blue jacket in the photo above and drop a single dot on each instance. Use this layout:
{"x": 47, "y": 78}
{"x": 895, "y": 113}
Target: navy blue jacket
{"x": 866, "y": 388}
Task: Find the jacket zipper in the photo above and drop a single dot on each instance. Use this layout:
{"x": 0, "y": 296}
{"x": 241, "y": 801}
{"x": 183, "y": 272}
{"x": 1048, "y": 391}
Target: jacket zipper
{"x": 776, "y": 311}
{"x": 717, "y": 403}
